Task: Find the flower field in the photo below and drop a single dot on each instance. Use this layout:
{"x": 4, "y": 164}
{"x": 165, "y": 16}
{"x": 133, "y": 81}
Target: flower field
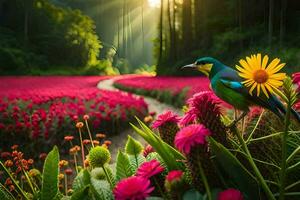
{"x": 172, "y": 90}
{"x": 44, "y": 109}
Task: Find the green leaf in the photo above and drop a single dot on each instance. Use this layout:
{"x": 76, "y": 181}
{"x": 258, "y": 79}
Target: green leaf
{"x": 236, "y": 172}
{"x": 123, "y": 167}
{"x": 101, "y": 189}
{"x": 170, "y": 155}
{"x": 133, "y": 147}
{"x": 192, "y": 195}
{"x": 50, "y": 175}
{"x": 110, "y": 175}
{"x": 81, "y": 180}
{"x": 136, "y": 161}
{"x": 4, "y": 195}
{"x": 81, "y": 194}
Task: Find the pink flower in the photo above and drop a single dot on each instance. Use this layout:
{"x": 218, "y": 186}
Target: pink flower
{"x": 174, "y": 175}
{"x": 149, "y": 169}
{"x": 190, "y": 136}
{"x": 133, "y": 188}
{"x": 230, "y": 194}
{"x": 164, "y": 118}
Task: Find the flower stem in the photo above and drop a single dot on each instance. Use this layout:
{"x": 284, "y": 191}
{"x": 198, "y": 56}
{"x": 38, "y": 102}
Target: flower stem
{"x": 253, "y": 165}
{"x": 75, "y": 162}
{"x": 82, "y": 148}
{"x": 159, "y": 188}
{"x": 89, "y": 131}
{"x": 205, "y": 182}
{"x": 15, "y": 182}
{"x": 284, "y": 152}
{"x": 66, "y": 185}
{"x": 107, "y": 177}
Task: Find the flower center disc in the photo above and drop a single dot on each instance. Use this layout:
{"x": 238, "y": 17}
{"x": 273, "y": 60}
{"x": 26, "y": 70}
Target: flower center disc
{"x": 260, "y": 76}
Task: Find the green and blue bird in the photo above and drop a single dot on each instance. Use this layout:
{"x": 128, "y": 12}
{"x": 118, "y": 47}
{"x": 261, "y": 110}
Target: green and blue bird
{"x": 230, "y": 85}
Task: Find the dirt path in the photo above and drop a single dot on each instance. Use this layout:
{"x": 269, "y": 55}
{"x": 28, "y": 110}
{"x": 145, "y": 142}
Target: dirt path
{"x": 118, "y": 141}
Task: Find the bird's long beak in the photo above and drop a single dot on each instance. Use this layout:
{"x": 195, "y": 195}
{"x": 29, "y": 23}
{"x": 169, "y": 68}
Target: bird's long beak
{"x": 190, "y": 66}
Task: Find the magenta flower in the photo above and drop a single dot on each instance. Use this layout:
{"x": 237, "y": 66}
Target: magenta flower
{"x": 190, "y": 136}
{"x": 230, "y": 194}
{"x": 149, "y": 169}
{"x": 133, "y": 188}
{"x": 175, "y": 175}
{"x": 198, "y": 106}
{"x": 167, "y": 117}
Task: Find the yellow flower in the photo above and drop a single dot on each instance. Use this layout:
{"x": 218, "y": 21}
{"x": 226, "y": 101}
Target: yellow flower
{"x": 258, "y": 74}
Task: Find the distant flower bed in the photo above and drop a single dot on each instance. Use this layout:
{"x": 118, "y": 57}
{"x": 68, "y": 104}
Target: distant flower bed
{"x": 46, "y": 108}
{"x": 173, "y": 90}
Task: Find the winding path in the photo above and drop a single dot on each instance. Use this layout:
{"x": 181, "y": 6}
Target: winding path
{"x": 153, "y": 104}
{"x": 118, "y": 141}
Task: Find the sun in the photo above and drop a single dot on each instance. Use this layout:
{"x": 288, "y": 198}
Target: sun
{"x": 154, "y": 3}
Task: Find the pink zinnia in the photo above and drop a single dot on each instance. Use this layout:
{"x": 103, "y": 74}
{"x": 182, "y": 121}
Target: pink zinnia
{"x": 167, "y": 117}
{"x": 175, "y": 175}
{"x": 134, "y": 188}
{"x": 190, "y": 136}
{"x": 149, "y": 169}
{"x": 230, "y": 194}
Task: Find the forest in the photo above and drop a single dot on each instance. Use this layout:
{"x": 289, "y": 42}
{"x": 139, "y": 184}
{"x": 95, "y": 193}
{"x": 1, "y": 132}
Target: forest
{"x": 126, "y": 36}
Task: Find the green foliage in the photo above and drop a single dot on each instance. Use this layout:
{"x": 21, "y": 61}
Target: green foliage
{"x": 56, "y": 36}
{"x": 234, "y": 171}
{"x": 50, "y": 175}
{"x": 4, "y": 195}
{"x": 166, "y": 152}
{"x": 192, "y": 194}
{"x": 123, "y": 166}
{"x": 133, "y": 147}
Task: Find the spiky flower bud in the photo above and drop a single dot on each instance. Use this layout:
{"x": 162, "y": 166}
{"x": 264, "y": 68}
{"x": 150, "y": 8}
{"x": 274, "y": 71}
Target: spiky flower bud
{"x": 204, "y": 108}
{"x": 99, "y": 156}
{"x": 166, "y": 124}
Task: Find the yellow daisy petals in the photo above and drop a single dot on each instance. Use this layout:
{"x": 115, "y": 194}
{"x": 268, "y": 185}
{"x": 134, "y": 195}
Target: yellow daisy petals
{"x": 260, "y": 75}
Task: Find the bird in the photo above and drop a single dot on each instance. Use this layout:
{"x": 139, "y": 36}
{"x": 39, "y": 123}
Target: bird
{"x": 228, "y": 85}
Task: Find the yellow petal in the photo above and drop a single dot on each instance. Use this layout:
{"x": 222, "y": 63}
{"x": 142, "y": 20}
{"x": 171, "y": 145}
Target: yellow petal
{"x": 246, "y": 76}
{"x": 264, "y": 90}
{"x": 269, "y": 88}
{"x": 265, "y": 62}
{"x": 258, "y": 60}
{"x": 258, "y": 89}
{"x": 244, "y": 64}
{"x": 278, "y": 76}
{"x": 243, "y": 70}
{"x": 250, "y": 63}
{"x": 273, "y": 64}
{"x": 275, "y": 83}
{"x": 276, "y": 69}
{"x": 252, "y": 88}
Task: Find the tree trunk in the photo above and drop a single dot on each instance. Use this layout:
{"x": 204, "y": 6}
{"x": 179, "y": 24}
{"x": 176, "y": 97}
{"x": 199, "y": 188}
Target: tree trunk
{"x": 160, "y": 56}
{"x": 270, "y": 23}
{"x": 282, "y": 21}
{"x": 171, "y": 34}
{"x": 143, "y": 32}
{"x": 174, "y": 30}
{"x": 187, "y": 34}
